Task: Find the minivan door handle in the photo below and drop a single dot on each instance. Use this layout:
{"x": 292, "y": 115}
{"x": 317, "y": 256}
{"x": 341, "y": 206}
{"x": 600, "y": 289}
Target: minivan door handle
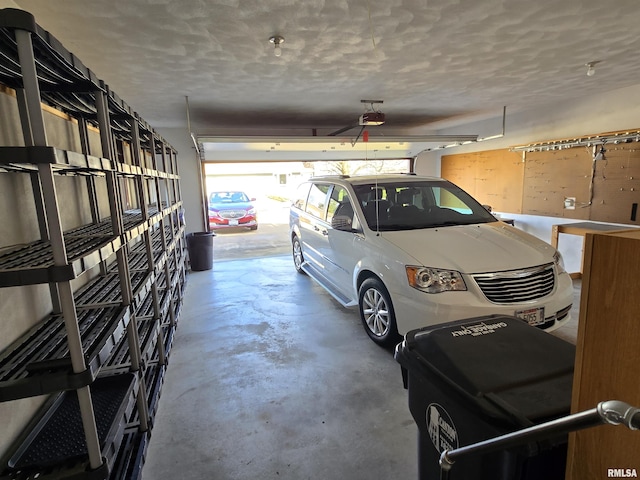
{"x": 322, "y": 231}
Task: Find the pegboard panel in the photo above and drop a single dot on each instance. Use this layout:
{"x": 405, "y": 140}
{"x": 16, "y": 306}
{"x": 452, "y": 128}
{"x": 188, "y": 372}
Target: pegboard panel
{"x": 556, "y": 183}
{"x": 563, "y": 183}
{"x": 616, "y": 186}
{"x": 493, "y": 177}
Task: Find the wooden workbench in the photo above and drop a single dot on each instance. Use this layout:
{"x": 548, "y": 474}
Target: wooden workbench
{"x": 582, "y": 228}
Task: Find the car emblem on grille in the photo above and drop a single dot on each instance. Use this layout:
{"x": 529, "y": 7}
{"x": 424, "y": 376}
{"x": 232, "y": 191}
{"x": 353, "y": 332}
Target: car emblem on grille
{"x": 232, "y": 214}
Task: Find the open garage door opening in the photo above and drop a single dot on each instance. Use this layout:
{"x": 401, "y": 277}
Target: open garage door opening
{"x": 248, "y": 202}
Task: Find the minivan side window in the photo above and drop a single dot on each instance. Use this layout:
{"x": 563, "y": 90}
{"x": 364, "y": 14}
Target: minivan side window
{"x": 302, "y": 192}
{"x": 317, "y": 201}
{"x": 339, "y": 204}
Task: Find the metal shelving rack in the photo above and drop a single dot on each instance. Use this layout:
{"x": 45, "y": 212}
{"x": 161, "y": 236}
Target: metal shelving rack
{"x": 102, "y": 352}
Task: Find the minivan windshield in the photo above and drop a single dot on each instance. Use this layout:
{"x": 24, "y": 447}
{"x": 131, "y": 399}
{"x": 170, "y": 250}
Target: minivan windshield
{"x": 392, "y": 206}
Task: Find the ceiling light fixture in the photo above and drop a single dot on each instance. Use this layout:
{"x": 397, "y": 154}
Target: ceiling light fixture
{"x": 277, "y": 40}
{"x": 591, "y": 68}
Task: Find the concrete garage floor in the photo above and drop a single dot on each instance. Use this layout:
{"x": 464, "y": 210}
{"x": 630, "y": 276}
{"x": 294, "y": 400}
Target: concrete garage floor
{"x": 269, "y": 378}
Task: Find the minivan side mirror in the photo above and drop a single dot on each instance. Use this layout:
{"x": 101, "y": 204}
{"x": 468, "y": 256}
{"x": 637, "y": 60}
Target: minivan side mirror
{"x": 342, "y": 223}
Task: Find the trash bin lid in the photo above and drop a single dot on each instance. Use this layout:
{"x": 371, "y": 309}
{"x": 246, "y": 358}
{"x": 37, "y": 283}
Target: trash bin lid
{"x": 499, "y": 363}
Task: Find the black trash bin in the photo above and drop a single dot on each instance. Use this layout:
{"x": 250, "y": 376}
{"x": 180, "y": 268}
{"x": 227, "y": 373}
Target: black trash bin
{"x": 475, "y": 379}
{"x": 200, "y": 248}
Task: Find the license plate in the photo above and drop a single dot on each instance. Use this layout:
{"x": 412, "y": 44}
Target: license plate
{"x": 533, "y": 316}
{"x": 233, "y": 223}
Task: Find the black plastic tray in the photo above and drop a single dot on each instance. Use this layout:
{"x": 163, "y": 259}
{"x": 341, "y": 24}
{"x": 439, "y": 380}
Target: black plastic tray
{"x": 38, "y": 363}
{"x": 58, "y": 437}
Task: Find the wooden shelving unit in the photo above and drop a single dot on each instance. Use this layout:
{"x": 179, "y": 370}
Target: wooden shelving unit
{"x": 607, "y": 354}
{"x": 102, "y": 352}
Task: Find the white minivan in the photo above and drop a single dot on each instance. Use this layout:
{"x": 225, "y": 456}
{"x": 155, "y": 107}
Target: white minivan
{"x": 414, "y": 251}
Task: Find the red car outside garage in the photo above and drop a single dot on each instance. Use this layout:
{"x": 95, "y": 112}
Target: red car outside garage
{"x": 232, "y": 209}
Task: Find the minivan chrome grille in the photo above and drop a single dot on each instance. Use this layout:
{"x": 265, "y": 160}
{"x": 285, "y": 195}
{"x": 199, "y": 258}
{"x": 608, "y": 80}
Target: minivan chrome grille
{"x": 517, "y": 285}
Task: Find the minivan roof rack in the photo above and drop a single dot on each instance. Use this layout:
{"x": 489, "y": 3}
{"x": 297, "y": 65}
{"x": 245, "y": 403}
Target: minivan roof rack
{"x": 337, "y": 175}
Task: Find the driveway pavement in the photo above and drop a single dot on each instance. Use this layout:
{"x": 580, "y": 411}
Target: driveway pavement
{"x": 270, "y": 239}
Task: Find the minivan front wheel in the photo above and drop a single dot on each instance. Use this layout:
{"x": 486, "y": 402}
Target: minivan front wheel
{"x": 298, "y": 258}
{"x": 376, "y": 312}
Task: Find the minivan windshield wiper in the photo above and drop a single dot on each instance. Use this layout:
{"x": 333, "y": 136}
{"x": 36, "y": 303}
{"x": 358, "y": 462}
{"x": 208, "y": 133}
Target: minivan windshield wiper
{"x": 447, "y": 224}
{"x": 470, "y": 221}
{"x": 392, "y": 227}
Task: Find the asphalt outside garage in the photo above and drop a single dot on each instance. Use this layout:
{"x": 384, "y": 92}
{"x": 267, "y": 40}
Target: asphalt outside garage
{"x": 271, "y": 238}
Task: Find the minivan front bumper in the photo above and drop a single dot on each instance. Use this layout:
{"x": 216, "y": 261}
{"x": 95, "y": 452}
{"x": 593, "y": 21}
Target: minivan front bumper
{"x": 416, "y": 309}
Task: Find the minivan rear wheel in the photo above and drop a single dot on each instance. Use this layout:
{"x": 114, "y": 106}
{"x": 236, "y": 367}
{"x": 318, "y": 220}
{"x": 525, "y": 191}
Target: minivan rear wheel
{"x": 298, "y": 258}
{"x": 376, "y": 312}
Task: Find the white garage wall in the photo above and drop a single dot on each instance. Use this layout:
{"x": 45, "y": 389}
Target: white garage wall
{"x": 189, "y": 170}
{"x": 613, "y": 111}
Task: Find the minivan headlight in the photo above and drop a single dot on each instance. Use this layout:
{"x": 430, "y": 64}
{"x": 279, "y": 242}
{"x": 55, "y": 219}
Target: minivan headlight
{"x": 434, "y": 280}
{"x": 557, "y": 258}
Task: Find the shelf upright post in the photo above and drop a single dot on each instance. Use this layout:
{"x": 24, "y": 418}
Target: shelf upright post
{"x": 137, "y": 161}
{"x": 36, "y": 187}
{"x": 172, "y": 188}
{"x": 23, "y": 112}
{"x": 104, "y": 127}
{"x": 168, "y": 168}
{"x": 180, "y": 241}
{"x": 144, "y": 197}
{"x": 27, "y": 134}
{"x": 124, "y": 276}
{"x": 173, "y": 169}
{"x": 135, "y": 146}
{"x": 176, "y": 174}
{"x": 115, "y": 210}
{"x": 163, "y": 224}
{"x": 162, "y": 227}
{"x": 163, "y": 191}
{"x": 36, "y": 120}
{"x": 83, "y": 132}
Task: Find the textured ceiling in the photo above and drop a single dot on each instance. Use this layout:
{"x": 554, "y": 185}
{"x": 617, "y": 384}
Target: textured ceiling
{"x": 433, "y": 62}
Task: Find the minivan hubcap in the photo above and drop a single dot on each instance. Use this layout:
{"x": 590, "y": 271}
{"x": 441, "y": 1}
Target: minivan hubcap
{"x": 376, "y": 312}
{"x": 297, "y": 254}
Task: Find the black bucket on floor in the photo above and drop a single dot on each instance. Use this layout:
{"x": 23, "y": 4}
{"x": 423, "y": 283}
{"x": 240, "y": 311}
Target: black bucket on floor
{"x": 200, "y": 248}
